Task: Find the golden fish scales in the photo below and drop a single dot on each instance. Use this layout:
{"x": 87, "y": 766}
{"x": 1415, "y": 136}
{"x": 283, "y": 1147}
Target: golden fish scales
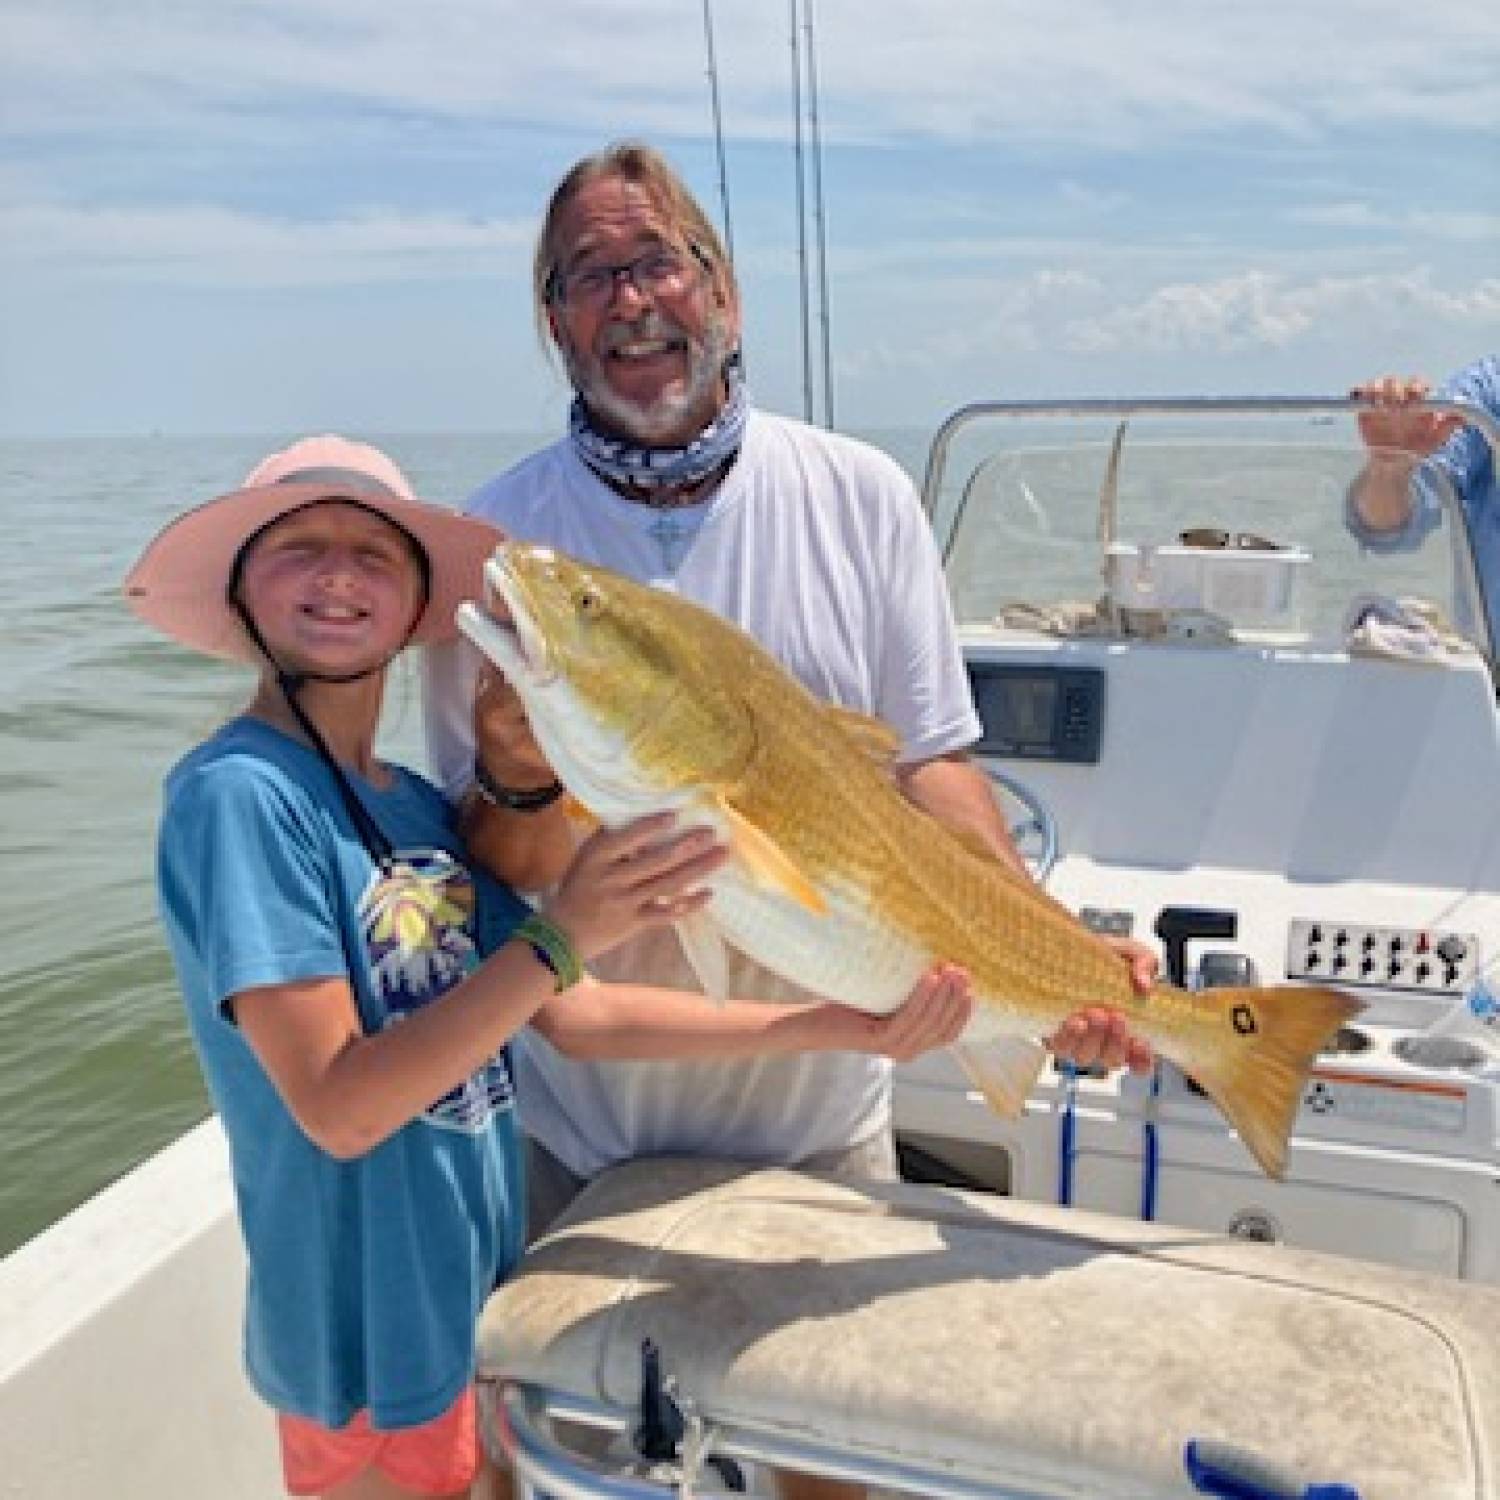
{"x": 702, "y": 716}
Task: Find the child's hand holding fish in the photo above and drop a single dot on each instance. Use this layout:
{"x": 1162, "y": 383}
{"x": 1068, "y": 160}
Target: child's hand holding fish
{"x": 649, "y": 873}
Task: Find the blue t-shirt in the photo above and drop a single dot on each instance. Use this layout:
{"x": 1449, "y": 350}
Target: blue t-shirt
{"x": 366, "y": 1276}
{"x": 1469, "y": 464}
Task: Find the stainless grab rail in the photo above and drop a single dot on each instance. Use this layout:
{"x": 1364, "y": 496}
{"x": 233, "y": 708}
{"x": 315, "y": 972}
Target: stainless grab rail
{"x": 516, "y": 1418}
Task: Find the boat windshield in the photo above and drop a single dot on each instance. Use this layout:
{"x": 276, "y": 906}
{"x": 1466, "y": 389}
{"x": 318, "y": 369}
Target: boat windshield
{"x": 1104, "y": 517}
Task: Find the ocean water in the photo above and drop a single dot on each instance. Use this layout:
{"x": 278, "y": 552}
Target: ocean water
{"x": 96, "y": 1071}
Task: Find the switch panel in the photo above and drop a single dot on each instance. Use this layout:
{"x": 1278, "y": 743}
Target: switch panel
{"x": 1387, "y": 958}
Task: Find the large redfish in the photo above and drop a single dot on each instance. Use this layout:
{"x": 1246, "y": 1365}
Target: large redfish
{"x": 644, "y": 701}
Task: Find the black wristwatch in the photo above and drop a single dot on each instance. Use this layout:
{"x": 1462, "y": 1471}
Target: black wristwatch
{"x": 532, "y": 799}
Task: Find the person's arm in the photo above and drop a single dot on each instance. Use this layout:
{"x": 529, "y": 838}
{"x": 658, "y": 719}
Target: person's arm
{"x": 472, "y": 716}
{"x": 1397, "y": 438}
{"x": 527, "y": 848}
{"x": 952, "y": 789}
{"x": 617, "y": 1021}
{"x": 1380, "y": 498}
{"x": 350, "y": 1091}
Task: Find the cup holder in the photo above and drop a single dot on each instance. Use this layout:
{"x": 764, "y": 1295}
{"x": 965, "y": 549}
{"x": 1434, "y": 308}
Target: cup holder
{"x": 1439, "y": 1052}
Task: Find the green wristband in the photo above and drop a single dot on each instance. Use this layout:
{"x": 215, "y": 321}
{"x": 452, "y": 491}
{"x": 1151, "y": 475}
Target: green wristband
{"x": 553, "y": 948}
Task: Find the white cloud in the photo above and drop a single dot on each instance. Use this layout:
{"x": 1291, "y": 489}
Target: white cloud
{"x": 1468, "y": 227}
{"x": 966, "y": 262}
{"x": 1010, "y": 316}
{"x": 1113, "y": 75}
{"x": 1349, "y": 214}
{"x": 958, "y": 69}
{"x": 1465, "y": 226}
{"x": 1071, "y": 186}
{"x": 209, "y": 246}
{"x": 1091, "y": 200}
{"x": 1257, "y": 309}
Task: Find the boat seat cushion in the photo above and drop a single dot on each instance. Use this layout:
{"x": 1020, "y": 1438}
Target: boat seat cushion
{"x": 1004, "y": 1341}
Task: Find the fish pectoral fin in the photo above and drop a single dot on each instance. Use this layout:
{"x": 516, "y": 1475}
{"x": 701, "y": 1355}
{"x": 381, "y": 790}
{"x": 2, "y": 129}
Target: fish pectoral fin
{"x": 873, "y": 736}
{"x": 1004, "y": 1071}
{"x": 767, "y": 862}
{"x": 704, "y": 949}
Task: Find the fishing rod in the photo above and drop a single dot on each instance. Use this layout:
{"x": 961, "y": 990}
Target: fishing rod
{"x": 816, "y": 141}
{"x": 800, "y": 25}
{"x": 713, "y": 94}
{"x": 803, "y": 289}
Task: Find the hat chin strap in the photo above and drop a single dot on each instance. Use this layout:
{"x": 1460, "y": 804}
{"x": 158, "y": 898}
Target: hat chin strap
{"x": 371, "y": 835}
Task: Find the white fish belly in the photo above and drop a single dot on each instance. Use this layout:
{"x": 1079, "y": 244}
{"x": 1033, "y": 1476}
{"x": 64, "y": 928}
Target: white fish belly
{"x": 844, "y": 954}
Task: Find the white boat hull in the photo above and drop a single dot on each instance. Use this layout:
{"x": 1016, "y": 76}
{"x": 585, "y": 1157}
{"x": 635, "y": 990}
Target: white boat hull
{"x": 120, "y": 1370}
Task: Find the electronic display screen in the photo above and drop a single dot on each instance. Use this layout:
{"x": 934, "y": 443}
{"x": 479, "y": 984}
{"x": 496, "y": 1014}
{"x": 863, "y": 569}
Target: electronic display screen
{"x": 1039, "y": 713}
{"x": 1026, "y": 709}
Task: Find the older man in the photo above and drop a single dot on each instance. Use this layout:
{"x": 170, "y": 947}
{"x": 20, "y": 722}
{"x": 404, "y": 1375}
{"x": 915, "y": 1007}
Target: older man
{"x": 814, "y": 543}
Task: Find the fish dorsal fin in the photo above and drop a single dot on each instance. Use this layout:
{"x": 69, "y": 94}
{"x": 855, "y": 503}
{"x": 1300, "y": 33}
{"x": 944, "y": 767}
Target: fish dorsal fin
{"x": 1003, "y": 1070}
{"x": 873, "y": 736}
{"x": 767, "y": 862}
{"x": 703, "y": 947}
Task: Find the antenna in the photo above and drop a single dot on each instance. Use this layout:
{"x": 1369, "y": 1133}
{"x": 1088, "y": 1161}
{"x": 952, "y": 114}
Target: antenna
{"x": 802, "y": 284}
{"x": 713, "y": 94}
{"x": 822, "y": 240}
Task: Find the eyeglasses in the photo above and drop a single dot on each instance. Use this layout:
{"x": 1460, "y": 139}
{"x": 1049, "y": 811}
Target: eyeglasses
{"x": 662, "y": 272}
{"x": 1214, "y": 536}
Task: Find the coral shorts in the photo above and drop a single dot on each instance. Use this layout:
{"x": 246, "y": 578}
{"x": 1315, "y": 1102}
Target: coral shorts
{"x": 441, "y": 1457}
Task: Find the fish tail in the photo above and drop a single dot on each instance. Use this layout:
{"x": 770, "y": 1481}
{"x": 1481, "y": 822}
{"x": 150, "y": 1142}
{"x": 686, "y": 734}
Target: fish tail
{"x": 1257, "y": 1066}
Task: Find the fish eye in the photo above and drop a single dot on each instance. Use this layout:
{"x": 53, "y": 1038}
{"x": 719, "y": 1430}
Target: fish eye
{"x": 590, "y": 603}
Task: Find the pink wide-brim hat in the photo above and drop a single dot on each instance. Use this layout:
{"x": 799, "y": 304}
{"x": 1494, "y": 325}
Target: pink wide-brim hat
{"x": 180, "y": 585}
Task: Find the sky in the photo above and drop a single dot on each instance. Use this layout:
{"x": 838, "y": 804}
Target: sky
{"x": 279, "y": 215}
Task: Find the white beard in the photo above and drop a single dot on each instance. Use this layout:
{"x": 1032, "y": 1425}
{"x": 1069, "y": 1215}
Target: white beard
{"x": 657, "y": 423}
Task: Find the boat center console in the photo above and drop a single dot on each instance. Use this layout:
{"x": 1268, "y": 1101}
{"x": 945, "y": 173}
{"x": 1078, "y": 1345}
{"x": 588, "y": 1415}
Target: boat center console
{"x": 1266, "y": 794}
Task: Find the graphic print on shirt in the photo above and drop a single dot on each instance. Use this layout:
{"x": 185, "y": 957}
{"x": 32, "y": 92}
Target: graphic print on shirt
{"x": 418, "y": 923}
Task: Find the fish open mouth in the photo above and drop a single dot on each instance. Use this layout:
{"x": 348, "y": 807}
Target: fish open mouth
{"x": 527, "y": 648}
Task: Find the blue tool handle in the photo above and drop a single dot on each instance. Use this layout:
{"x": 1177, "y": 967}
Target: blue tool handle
{"x": 1233, "y": 1474}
